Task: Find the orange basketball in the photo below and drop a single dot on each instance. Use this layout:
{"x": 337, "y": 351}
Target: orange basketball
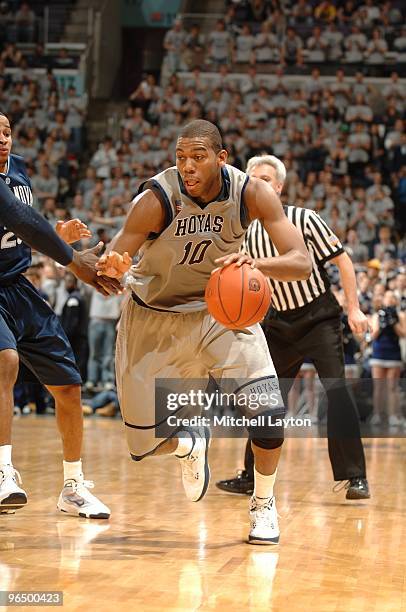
{"x": 238, "y": 296}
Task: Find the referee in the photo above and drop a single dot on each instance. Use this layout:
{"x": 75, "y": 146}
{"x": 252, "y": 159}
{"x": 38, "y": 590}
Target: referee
{"x": 304, "y": 321}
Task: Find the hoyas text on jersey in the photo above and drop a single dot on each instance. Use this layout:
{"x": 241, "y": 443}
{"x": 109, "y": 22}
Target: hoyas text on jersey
{"x": 23, "y": 193}
{"x": 199, "y": 224}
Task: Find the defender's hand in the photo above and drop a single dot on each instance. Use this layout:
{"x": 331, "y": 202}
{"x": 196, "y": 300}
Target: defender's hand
{"x": 72, "y": 231}
{"x": 113, "y": 264}
{"x": 83, "y": 266}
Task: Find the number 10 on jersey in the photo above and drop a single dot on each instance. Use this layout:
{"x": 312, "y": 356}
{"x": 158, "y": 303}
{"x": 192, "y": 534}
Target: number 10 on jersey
{"x": 194, "y": 253}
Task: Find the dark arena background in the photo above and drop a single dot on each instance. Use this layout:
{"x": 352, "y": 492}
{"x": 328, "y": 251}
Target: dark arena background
{"x": 97, "y": 93}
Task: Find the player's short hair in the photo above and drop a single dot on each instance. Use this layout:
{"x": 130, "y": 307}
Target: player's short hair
{"x": 270, "y": 160}
{"x": 200, "y": 128}
{"x": 6, "y": 116}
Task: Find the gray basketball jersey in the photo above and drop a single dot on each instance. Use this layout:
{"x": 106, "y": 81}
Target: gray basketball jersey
{"x": 175, "y": 266}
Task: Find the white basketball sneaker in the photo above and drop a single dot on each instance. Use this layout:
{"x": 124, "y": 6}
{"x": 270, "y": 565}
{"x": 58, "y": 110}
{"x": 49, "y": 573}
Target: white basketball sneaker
{"x": 76, "y": 499}
{"x": 264, "y": 522}
{"x": 195, "y": 465}
{"x": 12, "y": 497}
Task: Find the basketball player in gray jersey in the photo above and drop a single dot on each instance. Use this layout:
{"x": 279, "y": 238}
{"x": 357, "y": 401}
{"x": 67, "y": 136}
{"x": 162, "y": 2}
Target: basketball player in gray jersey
{"x": 187, "y": 221}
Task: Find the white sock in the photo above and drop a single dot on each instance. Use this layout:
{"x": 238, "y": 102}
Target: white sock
{"x": 72, "y": 470}
{"x": 184, "y": 447}
{"x": 263, "y": 484}
{"x": 5, "y": 455}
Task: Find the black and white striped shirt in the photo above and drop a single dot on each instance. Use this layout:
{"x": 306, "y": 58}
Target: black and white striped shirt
{"x": 322, "y": 245}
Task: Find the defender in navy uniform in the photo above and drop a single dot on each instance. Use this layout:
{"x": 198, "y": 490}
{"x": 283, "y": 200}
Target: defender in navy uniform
{"x": 30, "y": 330}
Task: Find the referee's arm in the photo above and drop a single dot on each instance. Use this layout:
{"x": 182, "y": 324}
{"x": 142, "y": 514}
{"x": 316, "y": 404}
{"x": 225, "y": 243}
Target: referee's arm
{"x": 327, "y": 247}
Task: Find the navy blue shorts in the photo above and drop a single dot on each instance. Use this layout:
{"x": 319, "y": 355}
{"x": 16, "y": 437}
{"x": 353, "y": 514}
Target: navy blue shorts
{"x": 29, "y": 326}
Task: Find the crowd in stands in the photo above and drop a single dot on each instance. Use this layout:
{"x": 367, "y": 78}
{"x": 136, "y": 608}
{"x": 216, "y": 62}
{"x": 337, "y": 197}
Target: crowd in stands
{"x": 342, "y": 140}
{"x": 295, "y": 35}
{"x": 18, "y": 22}
{"x": 32, "y": 21}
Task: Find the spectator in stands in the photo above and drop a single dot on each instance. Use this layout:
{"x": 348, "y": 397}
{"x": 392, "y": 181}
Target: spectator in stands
{"x": 355, "y": 45}
{"x": 45, "y": 185}
{"x": 360, "y": 87}
{"x": 243, "y": 52}
{"x": 194, "y": 46}
{"x": 345, "y": 12}
{"x": 392, "y": 13}
{"x": 38, "y": 59}
{"x": 388, "y": 325}
{"x": 359, "y": 143}
{"x": 370, "y": 13}
{"x": 267, "y": 47}
{"x": 63, "y": 59}
{"x": 302, "y": 13}
{"x": 6, "y": 21}
{"x": 364, "y": 222}
{"x": 75, "y": 321}
{"x": 104, "y": 314}
{"x": 291, "y": 49}
{"x": 77, "y": 210}
{"x": 400, "y": 45}
{"x": 11, "y": 56}
{"x": 334, "y": 38}
{"x": 146, "y": 93}
{"x": 25, "y": 21}
{"x": 394, "y": 89}
{"x": 394, "y": 135}
{"x": 220, "y": 45}
{"x": 104, "y": 404}
{"x": 317, "y": 46}
{"x": 356, "y": 249}
{"x": 278, "y": 21}
{"x": 385, "y": 245}
{"x": 174, "y": 45}
{"x": 359, "y": 111}
{"x": 376, "y": 48}
{"x": 105, "y": 158}
{"x": 325, "y": 12}
{"x": 260, "y": 9}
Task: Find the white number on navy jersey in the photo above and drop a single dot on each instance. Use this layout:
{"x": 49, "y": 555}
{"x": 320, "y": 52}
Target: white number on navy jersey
{"x": 9, "y": 241}
{"x": 24, "y": 194}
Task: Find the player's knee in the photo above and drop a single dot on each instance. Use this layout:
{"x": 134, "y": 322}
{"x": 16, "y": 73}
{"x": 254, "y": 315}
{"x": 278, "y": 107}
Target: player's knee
{"x": 268, "y": 443}
{"x": 67, "y": 395}
{"x": 9, "y": 364}
{"x": 268, "y": 436}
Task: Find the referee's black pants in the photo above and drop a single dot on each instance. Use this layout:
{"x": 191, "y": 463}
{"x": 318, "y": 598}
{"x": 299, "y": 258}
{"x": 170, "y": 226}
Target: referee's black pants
{"x": 314, "y": 331}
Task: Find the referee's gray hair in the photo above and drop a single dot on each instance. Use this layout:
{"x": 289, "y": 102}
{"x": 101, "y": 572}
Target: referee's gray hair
{"x": 270, "y": 160}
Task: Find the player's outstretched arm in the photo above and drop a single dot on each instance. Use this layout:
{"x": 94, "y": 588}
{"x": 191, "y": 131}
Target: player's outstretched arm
{"x": 293, "y": 262}
{"x": 34, "y": 230}
{"x": 146, "y": 216}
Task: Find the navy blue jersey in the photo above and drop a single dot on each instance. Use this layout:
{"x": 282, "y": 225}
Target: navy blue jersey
{"x": 15, "y": 256}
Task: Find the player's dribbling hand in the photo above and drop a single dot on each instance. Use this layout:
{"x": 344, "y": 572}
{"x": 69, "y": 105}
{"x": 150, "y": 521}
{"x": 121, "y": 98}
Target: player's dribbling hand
{"x": 237, "y": 258}
{"x": 113, "y": 264}
{"x": 72, "y": 231}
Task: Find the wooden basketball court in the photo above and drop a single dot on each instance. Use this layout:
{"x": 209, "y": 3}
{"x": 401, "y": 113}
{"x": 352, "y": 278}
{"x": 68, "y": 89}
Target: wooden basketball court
{"x": 160, "y": 552}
